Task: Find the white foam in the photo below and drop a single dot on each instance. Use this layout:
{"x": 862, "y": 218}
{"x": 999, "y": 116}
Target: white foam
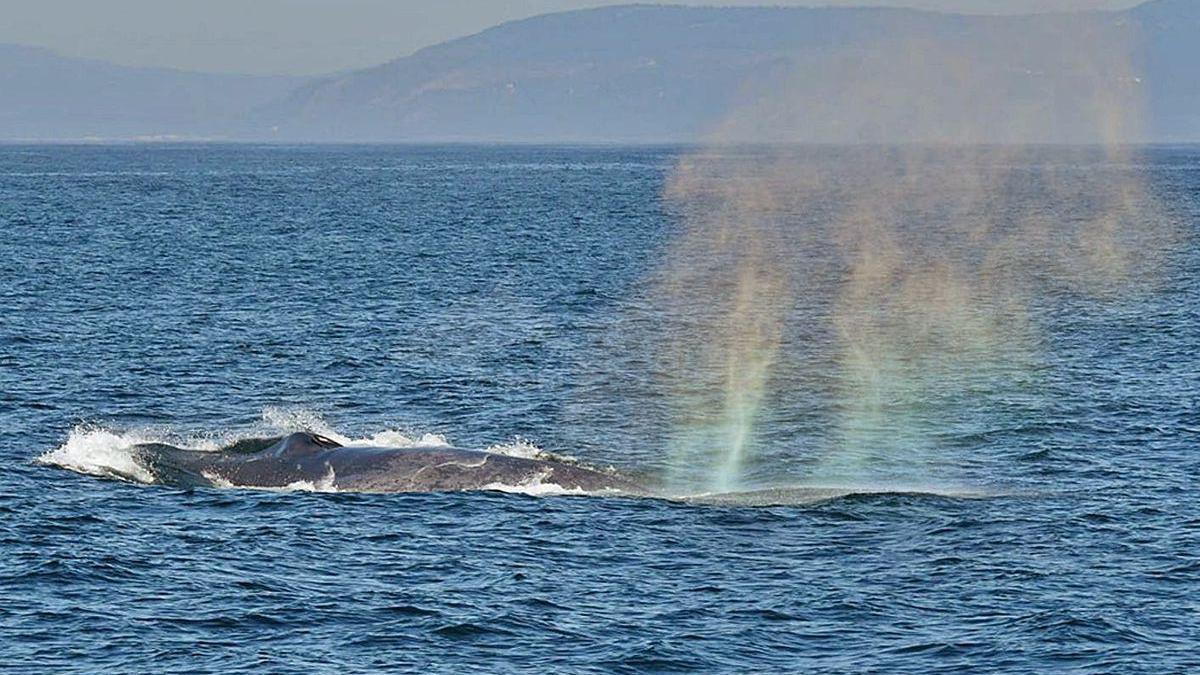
{"x": 524, "y": 449}
{"x": 324, "y": 484}
{"x": 395, "y": 439}
{"x": 288, "y": 420}
{"x": 217, "y": 480}
{"x": 535, "y": 487}
{"x": 100, "y": 452}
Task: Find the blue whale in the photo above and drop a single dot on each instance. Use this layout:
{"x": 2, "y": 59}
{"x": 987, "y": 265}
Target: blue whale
{"x": 306, "y": 458}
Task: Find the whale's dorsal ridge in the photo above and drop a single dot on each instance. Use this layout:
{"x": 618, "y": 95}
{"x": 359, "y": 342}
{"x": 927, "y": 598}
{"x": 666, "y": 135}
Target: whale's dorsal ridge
{"x": 324, "y": 441}
{"x": 303, "y": 443}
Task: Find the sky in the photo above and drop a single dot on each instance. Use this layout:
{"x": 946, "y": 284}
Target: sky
{"x": 304, "y": 37}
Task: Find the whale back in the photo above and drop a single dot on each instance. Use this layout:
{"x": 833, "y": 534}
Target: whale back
{"x": 279, "y": 462}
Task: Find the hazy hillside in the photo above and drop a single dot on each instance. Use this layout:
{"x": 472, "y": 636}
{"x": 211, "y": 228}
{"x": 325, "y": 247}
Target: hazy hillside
{"x": 637, "y": 72}
{"x": 1170, "y": 52}
{"x": 664, "y": 73}
{"x": 47, "y": 96}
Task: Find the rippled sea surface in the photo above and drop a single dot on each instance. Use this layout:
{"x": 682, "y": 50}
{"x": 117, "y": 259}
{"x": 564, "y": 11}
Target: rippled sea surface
{"x": 501, "y": 296}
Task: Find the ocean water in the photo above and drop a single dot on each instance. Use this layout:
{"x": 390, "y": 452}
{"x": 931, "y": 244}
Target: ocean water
{"x": 504, "y": 297}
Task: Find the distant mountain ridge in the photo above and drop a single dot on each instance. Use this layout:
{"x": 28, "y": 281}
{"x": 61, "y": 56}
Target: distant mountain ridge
{"x": 629, "y": 73}
{"x": 47, "y": 96}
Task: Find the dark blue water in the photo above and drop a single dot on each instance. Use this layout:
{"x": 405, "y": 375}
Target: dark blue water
{"x": 490, "y": 295}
